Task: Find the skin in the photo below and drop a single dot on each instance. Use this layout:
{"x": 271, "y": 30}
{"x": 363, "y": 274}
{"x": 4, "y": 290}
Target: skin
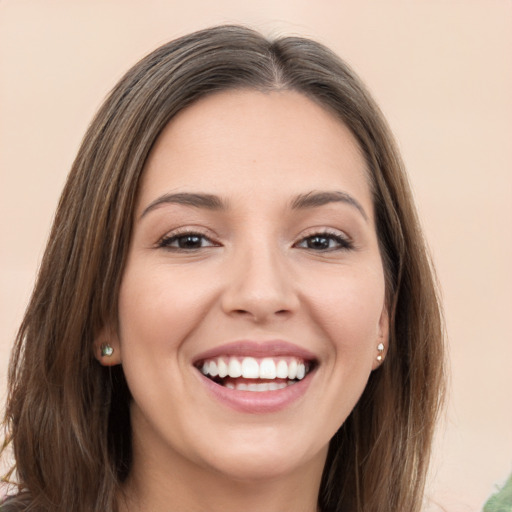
{"x": 256, "y": 275}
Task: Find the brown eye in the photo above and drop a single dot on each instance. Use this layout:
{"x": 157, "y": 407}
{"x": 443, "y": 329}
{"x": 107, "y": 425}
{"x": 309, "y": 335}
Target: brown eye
{"x": 186, "y": 241}
{"x": 324, "y": 242}
{"x": 189, "y": 242}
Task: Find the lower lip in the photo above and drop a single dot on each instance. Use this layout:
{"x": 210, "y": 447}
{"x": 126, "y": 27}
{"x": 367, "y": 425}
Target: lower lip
{"x": 257, "y": 402}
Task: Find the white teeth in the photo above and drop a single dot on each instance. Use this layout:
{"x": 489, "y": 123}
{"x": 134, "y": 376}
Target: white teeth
{"x": 250, "y": 368}
{"x": 223, "y": 368}
{"x": 274, "y": 386}
{"x": 260, "y": 386}
{"x": 234, "y": 368}
{"x": 213, "y": 370}
{"x": 267, "y": 369}
{"x": 282, "y": 370}
{"x": 292, "y": 369}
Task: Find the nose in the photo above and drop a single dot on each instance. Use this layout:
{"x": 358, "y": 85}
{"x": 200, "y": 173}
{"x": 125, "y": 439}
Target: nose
{"x": 260, "y": 287}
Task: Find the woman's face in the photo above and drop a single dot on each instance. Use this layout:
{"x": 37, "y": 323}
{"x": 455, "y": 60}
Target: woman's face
{"x": 252, "y": 301}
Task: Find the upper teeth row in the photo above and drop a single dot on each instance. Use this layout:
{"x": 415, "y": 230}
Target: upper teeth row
{"x": 251, "y": 368}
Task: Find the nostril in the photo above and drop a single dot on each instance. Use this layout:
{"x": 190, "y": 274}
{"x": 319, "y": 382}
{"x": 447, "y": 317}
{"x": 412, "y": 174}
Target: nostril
{"x": 259, "y": 314}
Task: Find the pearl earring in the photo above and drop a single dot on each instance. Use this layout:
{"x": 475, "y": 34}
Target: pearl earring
{"x": 106, "y": 350}
{"x": 380, "y": 348}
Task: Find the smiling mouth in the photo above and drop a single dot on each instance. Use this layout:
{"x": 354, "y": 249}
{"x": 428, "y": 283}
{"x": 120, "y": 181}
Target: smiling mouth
{"x": 255, "y": 374}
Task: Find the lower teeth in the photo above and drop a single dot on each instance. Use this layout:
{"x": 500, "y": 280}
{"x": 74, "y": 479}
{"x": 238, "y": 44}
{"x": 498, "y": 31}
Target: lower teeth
{"x": 258, "y": 386}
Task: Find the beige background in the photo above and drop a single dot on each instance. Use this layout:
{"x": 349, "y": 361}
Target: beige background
{"x": 442, "y": 73}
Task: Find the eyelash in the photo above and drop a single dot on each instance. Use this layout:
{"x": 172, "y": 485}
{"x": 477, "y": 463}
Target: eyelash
{"x": 342, "y": 242}
{"x": 167, "y": 241}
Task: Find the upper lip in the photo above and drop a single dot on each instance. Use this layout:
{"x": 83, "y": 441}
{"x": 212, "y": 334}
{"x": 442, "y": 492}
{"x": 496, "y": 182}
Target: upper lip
{"x": 249, "y": 348}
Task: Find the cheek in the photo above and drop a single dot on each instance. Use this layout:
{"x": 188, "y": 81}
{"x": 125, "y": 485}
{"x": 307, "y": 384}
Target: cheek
{"x": 348, "y": 307}
{"x": 158, "y": 310}
{"x": 159, "y": 307}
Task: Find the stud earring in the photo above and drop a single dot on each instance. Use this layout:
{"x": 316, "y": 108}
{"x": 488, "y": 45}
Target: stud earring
{"x": 380, "y": 348}
{"x": 106, "y": 350}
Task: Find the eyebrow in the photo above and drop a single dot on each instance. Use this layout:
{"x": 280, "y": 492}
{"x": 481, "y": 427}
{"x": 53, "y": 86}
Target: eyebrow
{"x": 213, "y": 202}
{"x": 207, "y": 201}
{"x": 316, "y": 199}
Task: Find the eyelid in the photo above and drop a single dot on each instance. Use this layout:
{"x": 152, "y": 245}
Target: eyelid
{"x": 323, "y": 230}
{"x": 345, "y": 241}
{"x": 175, "y": 234}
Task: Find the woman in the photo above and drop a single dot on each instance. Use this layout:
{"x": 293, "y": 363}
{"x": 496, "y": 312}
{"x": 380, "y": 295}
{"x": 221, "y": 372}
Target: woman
{"x": 236, "y": 309}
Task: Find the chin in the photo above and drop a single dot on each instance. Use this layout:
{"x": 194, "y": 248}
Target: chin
{"x": 262, "y": 459}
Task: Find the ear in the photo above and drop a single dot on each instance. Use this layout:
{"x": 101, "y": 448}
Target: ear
{"x": 382, "y": 342}
{"x": 106, "y": 346}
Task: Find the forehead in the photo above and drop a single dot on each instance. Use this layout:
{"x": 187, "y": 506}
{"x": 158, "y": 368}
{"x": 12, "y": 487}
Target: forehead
{"x": 245, "y": 142}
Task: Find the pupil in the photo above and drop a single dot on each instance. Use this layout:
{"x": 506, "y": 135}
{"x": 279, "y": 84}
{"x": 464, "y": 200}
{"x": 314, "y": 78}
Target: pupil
{"x": 318, "y": 242}
{"x": 189, "y": 242}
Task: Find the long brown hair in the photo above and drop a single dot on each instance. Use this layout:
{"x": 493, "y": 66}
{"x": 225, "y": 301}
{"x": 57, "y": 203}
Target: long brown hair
{"x": 67, "y": 417}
